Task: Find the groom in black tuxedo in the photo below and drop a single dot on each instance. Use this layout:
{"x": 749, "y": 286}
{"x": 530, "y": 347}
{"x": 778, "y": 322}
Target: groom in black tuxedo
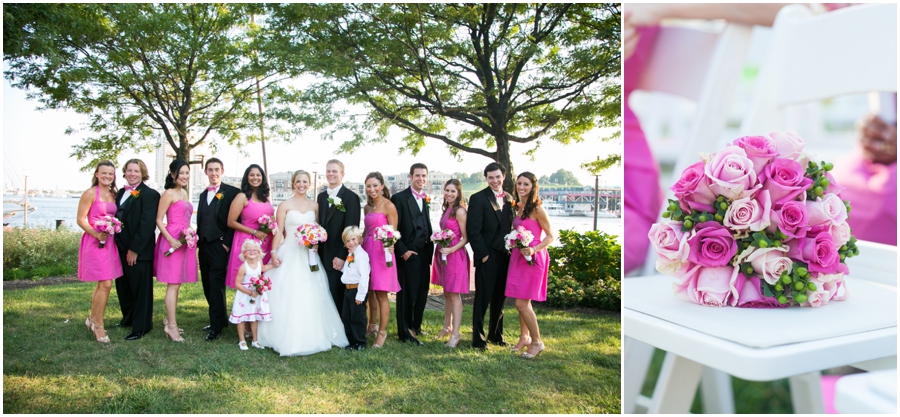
{"x": 489, "y": 219}
{"x": 215, "y": 244}
{"x": 338, "y": 208}
{"x": 136, "y": 208}
{"x": 414, "y": 251}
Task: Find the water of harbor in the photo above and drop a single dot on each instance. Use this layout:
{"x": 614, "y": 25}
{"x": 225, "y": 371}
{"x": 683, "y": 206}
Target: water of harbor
{"x": 50, "y": 209}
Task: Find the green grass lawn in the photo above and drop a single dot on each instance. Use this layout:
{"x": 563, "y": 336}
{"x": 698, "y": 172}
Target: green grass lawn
{"x": 51, "y": 364}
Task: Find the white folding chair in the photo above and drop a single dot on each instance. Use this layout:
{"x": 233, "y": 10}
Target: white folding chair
{"x": 704, "y": 67}
{"x": 853, "y": 50}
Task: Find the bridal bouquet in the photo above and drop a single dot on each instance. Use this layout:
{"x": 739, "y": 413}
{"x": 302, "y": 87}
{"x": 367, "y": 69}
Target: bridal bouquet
{"x": 444, "y": 238}
{"x": 309, "y": 235}
{"x": 520, "y": 238}
{"x": 108, "y": 224}
{"x": 267, "y": 224}
{"x": 261, "y": 284}
{"x": 188, "y": 237}
{"x": 388, "y": 236}
{"x": 756, "y": 224}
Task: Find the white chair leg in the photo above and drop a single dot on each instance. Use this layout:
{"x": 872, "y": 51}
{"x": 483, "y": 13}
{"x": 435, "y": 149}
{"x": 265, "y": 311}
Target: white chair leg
{"x": 676, "y": 387}
{"x": 715, "y": 387}
{"x": 806, "y": 393}
{"x": 638, "y": 356}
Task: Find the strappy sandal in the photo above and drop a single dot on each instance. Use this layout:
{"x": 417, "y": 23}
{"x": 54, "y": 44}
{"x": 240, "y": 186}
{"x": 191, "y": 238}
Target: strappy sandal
{"x": 169, "y": 335}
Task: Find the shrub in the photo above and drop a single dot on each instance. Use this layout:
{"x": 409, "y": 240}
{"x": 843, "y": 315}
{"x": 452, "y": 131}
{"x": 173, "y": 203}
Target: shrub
{"x": 38, "y": 253}
{"x": 585, "y": 271}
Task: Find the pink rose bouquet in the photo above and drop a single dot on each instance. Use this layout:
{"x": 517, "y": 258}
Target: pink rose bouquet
{"x": 108, "y": 224}
{"x": 261, "y": 284}
{"x": 310, "y": 235}
{"x": 520, "y": 238}
{"x": 443, "y": 238}
{"x": 757, "y": 224}
{"x": 267, "y": 224}
{"x": 188, "y": 237}
{"x": 388, "y": 237}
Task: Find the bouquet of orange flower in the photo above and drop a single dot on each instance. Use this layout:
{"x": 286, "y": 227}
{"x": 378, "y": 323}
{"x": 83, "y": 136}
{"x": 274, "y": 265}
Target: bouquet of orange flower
{"x": 310, "y": 235}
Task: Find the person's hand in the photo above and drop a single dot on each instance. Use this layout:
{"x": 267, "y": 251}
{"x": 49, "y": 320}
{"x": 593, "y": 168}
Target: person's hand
{"x": 175, "y": 244}
{"x": 878, "y": 140}
{"x": 131, "y": 258}
{"x": 337, "y": 264}
{"x": 226, "y": 248}
{"x": 447, "y": 251}
{"x": 483, "y": 260}
{"x": 358, "y": 302}
{"x": 407, "y": 254}
{"x": 276, "y": 261}
{"x": 259, "y": 235}
{"x": 527, "y": 251}
{"x": 254, "y": 294}
{"x": 102, "y": 236}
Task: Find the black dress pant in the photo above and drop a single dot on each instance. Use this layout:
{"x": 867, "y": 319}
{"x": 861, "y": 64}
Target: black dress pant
{"x": 354, "y": 318}
{"x": 414, "y": 275}
{"x": 490, "y": 288}
{"x": 213, "y": 262}
{"x": 135, "y": 292}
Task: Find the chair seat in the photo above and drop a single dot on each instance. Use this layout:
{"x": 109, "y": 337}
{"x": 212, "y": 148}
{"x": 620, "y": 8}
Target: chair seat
{"x": 764, "y": 344}
{"x": 868, "y": 393}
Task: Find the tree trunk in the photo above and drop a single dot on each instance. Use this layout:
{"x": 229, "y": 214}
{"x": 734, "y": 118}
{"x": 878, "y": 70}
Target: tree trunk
{"x": 504, "y": 160}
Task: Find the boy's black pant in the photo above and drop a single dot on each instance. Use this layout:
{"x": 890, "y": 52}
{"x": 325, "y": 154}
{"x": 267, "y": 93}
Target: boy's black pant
{"x": 354, "y": 318}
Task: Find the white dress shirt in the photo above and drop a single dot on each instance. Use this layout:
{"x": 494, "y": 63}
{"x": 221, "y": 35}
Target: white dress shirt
{"x": 210, "y": 194}
{"x": 357, "y": 272}
{"x": 333, "y": 192}
{"x": 127, "y": 194}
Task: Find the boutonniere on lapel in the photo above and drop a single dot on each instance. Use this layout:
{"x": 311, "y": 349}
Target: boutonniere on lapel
{"x": 350, "y": 259}
{"x": 219, "y": 197}
{"x": 427, "y": 200}
{"x": 135, "y": 193}
{"x": 337, "y": 203}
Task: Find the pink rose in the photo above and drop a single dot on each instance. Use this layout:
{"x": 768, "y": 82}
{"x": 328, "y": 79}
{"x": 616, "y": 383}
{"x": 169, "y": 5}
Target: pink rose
{"x": 759, "y": 149}
{"x": 828, "y": 209}
{"x": 834, "y": 284}
{"x": 820, "y": 252}
{"x": 731, "y": 173}
{"x": 770, "y": 263}
{"x": 750, "y": 213}
{"x": 788, "y": 145}
{"x": 711, "y": 244}
{"x": 816, "y": 298}
{"x": 748, "y": 293}
{"x": 833, "y": 187}
{"x": 692, "y": 189}
{"x": 784, "y": 180}
{"x": 670, "y": 245}
{"x": 792, "y": 219}
{"x": 706, "y": 286}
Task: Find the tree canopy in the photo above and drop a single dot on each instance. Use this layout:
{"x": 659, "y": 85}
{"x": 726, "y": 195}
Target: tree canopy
{"x": 187, "y": 72}
{"x": 475, "y": 77}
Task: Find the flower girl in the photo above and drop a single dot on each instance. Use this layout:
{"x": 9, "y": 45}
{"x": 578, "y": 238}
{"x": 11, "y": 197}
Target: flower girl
{"x": 250, "y": 302}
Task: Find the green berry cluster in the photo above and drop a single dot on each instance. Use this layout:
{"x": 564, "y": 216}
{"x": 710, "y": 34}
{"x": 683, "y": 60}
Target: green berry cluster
{"x": 849, "y": 249}
{"x": 816, "y": 172}
{"x": 691, "y": 218}
{"x": 791, "y": 285}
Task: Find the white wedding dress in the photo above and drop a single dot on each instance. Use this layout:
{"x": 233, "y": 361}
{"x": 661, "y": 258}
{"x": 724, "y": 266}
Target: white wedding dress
{"x": 304, "y": 319}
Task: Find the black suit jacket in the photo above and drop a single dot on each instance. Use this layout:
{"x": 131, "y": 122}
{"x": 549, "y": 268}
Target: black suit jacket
{"x": 138, "y": 217}
{"x": 407, "y": 215}
{"x": 218, "y": 209}
{"x": 486, "y": 225}
{"x": 334, "y": 221}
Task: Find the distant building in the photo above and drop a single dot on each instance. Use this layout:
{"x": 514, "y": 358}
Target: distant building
{"x": 434, "y": 186}
{"x": 234, "y": 181}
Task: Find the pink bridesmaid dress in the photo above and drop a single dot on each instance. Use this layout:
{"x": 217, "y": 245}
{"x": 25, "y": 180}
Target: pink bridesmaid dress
{"x": 642, "y": 194}
{"x": 382, "y": 278}
{"x": 528, "y": 282}
{"x": 454, "y": 276}
{"x": 96, "y": 263}
{"x": 181, "y": 266}
{"x": 249, "y": 216}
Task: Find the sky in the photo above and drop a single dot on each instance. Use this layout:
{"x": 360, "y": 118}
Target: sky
{"x": 35, "y": 144}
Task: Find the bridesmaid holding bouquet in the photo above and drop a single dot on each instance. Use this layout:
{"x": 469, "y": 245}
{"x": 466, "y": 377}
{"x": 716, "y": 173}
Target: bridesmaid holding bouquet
{"x": 453, "y": 274}
{"x": 379, "y": 211}
{"x": 176, "y": 255}
{"x": 527, "y": 278}
{"x": 251, "y": 204}
{"x": 98, "y": 257}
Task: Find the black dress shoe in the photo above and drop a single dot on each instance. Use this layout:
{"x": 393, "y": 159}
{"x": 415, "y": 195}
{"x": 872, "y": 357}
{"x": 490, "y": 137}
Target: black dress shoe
{"x": 500, "y": 343}
{"x": 120, "y": 324}
{"x": 136, "y": 335}
{"x": 213, "y": 335}
{"x": 360, "y": 347}
{"x": 207, "y": 328}
{"x": 480, "y": 348}
{"x": 413, "y": 340}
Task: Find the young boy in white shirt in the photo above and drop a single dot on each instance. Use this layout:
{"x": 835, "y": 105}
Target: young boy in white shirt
{"x": 355, "y": 277}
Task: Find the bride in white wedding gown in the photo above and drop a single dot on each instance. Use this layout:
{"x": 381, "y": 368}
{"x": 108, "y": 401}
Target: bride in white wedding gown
{"x": 304, "y": 319}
